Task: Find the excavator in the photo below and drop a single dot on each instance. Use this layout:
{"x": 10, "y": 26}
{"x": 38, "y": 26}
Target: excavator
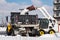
{"x": 25, "y": 24}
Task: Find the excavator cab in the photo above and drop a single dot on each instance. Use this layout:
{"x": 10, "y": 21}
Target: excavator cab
{"x": 43, "y": 23}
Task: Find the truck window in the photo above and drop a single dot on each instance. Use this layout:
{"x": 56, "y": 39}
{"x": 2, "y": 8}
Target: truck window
{"x": 44, "y": 23}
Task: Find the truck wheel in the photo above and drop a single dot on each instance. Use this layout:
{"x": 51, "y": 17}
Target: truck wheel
{"x": 51, "y": 31}
{"x": 10, "y": 32}
{"x": 34, "y": 32}
{"x": 30, "y": 34}
{"x": 41, "y": 32}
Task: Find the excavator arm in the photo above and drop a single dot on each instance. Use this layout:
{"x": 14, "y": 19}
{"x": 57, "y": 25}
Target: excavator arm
{"x": 42, "y": 9}
{"x": 28, "y": 9}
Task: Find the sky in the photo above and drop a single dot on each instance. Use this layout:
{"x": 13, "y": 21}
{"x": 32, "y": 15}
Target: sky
{"x": 7, "y": 6}
{"x": 45, "y": 2}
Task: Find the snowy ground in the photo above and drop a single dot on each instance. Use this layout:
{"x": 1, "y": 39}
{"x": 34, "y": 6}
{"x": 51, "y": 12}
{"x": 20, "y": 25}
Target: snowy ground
{"x": 18, "y": 37}
{"x": 3, "y": 36}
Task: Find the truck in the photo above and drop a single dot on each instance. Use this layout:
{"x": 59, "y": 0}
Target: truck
{"x": 25, "y": 24}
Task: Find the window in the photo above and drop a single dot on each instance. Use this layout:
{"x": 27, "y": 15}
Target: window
{"x": 57, "y": 14}
{"x": 57, "y": 0}
{"x": 58, "y": 7}
{"x": 44, "y": 23}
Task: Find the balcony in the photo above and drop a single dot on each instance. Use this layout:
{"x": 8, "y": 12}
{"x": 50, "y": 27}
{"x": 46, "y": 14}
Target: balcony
{"x": 55, "y": 9}
{"x": 56, "y": 15}
{"x": 55, "y": 2}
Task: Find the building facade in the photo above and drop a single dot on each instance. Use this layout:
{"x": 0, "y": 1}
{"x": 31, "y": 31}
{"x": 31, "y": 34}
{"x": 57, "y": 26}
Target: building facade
{"x": 56, "y": 10}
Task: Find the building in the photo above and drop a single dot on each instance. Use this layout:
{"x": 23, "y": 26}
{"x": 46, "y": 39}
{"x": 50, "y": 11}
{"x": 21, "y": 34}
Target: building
{"x": 56, "y": 10}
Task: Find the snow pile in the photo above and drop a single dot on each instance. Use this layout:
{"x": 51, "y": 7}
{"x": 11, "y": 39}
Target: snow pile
{"x": 2, "y": 37}
{"x": 2, "y": 29}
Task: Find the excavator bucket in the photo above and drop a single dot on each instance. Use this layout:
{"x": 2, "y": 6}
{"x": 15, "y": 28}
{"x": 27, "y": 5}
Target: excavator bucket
{"x": 31, "y": 8}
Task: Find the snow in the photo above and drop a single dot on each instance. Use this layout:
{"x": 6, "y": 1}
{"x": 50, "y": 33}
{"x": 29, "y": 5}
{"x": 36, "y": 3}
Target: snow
{"x": 3, "y": 36}
{"x": 18, "y": 37}
{"x": 2, "y": 29}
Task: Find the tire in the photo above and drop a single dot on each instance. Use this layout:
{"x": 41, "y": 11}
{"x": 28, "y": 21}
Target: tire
{"x": 11, "y": 32}
{"x": 51, "y": 31}
{"x": 30, "y": 34}
{"x": 41, "y": 32}
{"x": 34, "y": 32}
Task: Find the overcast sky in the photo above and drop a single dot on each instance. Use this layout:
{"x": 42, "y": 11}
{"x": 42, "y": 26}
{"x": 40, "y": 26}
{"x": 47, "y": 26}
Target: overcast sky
{"x": 6, "y": 6}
